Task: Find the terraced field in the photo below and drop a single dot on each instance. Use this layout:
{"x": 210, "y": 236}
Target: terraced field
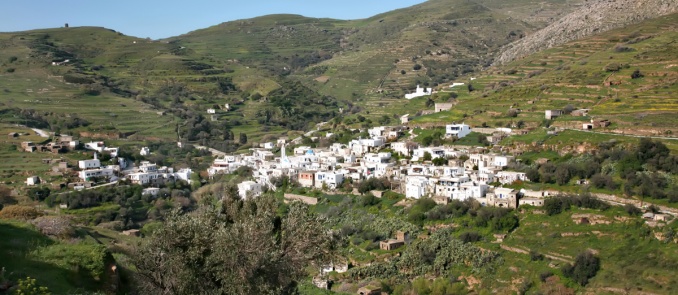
{"x": 594, "y": 73}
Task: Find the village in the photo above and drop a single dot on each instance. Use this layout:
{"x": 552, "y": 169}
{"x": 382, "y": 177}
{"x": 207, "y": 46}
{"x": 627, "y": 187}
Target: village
{"x": 443, "y": 173}
{"x": 91, "y": 173}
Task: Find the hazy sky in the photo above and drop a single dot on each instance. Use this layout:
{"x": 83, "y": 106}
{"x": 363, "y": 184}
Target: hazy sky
{"x": 161, "y": 19}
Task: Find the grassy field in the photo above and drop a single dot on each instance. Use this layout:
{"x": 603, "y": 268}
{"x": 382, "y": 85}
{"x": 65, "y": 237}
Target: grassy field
{"x": 631, "y": 260}
{"x": 26, "y": 252}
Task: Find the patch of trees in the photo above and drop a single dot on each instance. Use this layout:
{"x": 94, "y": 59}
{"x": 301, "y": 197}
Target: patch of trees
{"x": 301, "y": 61}
{"x": 556, "y": 205}
{"x": 374, "y": 184}
{"x": 46, "y": 120}
{"x": 585, "y": 267}
{"x": 297, "y": 107}
{"x": 438, "y": 255}
{"x": 640, "y": 167}
{"x": 196, "y": 66}
{"x": 77, "y": 79}
{"x": 133, "y": 207}
{"x": 41, "y": 47}
{"x": 242, "y": 247}
{"x": 169, "y": 154}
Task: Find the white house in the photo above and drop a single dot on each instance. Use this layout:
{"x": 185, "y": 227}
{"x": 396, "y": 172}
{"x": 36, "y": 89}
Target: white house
{"x": 33, "y": 180}
{"x": 330, "y": 179}
{"x": 112, "y": 150}
{"x": 184, "y": 174}
{"x": 508, "y": 177}
{"x": 502, "y": 161}
{"x": 145, "y": 151}
{"x": 89, "y": 164}
{"x": 99, "y": 172}
{"x": 152, "y": 191}
{"x": 249, "y": 189}
{"x": 95, "y": 145}
{"x": 211, "y": 111}
{"x": 419, "y": 92}
{"x": 455, "y": 84}
{"x": 458, "y": 130}
{"x": 404, "y": 119}
{"x": 416, "y": 187}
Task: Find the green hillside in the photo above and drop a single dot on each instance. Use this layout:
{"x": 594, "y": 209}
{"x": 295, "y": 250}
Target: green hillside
{"x": 119, "y": 86}
{"x": 596, "y": 73}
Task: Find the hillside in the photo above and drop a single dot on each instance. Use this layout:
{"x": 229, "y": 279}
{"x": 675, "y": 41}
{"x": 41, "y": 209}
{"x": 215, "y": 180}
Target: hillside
{"x": 595, "y": 73}
{"x": 253, "y": 72}
{"x": 351, "y": 59}
{"x": 593, "y": 18}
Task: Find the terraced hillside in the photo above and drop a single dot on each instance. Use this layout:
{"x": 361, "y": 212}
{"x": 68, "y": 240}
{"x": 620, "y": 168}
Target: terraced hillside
{"x": 363, "y": 58}
{"x": 593, "y": 18}
{"x": 627, "y": 76}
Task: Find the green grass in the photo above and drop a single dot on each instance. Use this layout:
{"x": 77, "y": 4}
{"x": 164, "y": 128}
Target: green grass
{"x": 629, "y": 259}
{"x": 26, "y": 252}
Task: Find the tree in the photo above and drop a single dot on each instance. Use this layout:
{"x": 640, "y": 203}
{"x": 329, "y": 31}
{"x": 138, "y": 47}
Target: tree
{"x": 637, "y": 74}
{"x": 429, "y": 102}
{"x": 427, "y": 156}
{"x": 585, "y": 267}
{"x": 416, "y": 67}
{"x": 243, "y": 138}
{"x": 470, "y": 87}
{"x": 427, "y": 140}
{"x": 66, "y": 25}
{"x": 632, "y": 210}
{"x": 562, "y": 174}
{"x": 439, "y": 161}
{"x": 244, "y": 247}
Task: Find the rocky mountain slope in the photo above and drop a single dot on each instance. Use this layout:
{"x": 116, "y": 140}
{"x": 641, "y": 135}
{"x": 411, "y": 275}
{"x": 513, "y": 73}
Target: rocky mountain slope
{"x": 594, "y": 17}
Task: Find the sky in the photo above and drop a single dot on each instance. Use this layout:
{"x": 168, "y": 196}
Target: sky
{"x": 161, "y": 19}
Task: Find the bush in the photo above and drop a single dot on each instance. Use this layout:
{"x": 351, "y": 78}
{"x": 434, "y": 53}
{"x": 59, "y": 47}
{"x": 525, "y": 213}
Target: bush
{"x": 632, "y": 210}
{"x": 29, "y": 286}
{"x": 621, "y": 48}
{"x": 56, "y": 226}
{"x": 545, "y": 275}
{"x": 637, "y": 74}
{"x": 613, "y": 67}
{"x": 536, "y": 256}
{"x": 585, "y": 267}
{"x": 369, "y": 200}
{"x": 469, "y": 237}
{"x": 19, "y": 212}
{"x": 416, "y": 67}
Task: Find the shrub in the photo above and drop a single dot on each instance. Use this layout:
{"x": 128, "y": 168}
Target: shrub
{"x": 536, "y": 256}
{"x": 19, "y": 212}
{"x": 30, "y": 286}
{"x": 632, "y": 210}
{"x": 369, "y": 200}
{"x": 416, "y": 67}
{"x": 545, "y": 275}
{"x": 469, "y": 237}
{"x": 613, "y": 67}
{"x": 621, "y": 48}
{"x": 637, "y": 74}
{"x": 585, "y": 267}
{"x": 56, "y": 226}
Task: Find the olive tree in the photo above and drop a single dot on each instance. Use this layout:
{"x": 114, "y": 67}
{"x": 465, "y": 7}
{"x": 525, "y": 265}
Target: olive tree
{"x": 242, "y": 247}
